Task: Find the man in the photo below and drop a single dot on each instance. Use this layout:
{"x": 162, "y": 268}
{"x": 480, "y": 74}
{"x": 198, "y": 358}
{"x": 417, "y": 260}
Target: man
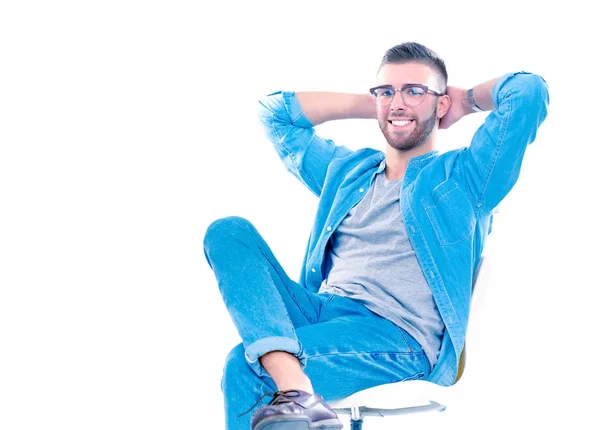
{"x": 386, "y": 283}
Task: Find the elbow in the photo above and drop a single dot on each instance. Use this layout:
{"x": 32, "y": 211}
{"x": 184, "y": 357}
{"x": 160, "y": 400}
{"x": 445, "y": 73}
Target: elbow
{"x": 269, "y": 106}
{"x": 534, "y": 96}
{"x": 525, "y": 98}
{"x": 539, "y": 100}
{"x": 538, "y": 95}
{"x": 264, "y": 109}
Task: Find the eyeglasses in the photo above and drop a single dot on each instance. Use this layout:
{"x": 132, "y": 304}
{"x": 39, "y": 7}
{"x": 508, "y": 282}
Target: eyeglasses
{"x": 412, "y": 94}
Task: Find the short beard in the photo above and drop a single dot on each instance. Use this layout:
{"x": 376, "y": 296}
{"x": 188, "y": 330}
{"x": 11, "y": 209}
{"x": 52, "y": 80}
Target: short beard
{"x": 415, "y": 139}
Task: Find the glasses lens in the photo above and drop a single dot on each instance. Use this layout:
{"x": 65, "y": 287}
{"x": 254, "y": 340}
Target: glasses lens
{"x": 383, "y": 96}
{"x": 413, "y": 96}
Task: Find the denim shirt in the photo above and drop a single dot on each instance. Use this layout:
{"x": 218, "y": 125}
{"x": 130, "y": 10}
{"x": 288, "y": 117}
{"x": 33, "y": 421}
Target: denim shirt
{"x": 447, "y": 199}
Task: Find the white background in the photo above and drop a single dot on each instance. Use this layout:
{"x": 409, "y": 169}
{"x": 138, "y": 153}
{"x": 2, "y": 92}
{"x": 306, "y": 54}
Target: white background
{"x": 127, "y": 127}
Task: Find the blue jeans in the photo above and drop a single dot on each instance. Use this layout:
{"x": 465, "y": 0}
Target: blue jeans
{"x": 342, "y": 346}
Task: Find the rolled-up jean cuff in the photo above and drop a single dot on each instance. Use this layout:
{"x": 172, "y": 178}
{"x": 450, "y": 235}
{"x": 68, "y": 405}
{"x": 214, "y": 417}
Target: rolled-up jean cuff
{"x": 274, "y": 343}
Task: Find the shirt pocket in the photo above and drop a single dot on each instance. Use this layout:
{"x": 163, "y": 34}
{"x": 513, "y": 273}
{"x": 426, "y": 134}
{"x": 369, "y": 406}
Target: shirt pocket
{"x": 450, "y": 213}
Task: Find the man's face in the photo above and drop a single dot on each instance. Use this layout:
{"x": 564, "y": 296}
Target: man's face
{"x": 406, "y": 127}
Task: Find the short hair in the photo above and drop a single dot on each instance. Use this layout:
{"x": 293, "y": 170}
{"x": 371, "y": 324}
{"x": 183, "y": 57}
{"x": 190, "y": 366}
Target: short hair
{"x": 413, "y": 52}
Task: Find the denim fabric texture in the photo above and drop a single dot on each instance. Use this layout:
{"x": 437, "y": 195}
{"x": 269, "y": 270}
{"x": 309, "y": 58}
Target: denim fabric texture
{"x": 447, "y": 199}
{"x": 343, "y": 346}
{"x": 447, "y": 202}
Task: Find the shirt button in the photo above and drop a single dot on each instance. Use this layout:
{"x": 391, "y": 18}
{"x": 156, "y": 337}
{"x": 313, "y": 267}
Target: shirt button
{"x": 361, "y": 190}
{"x": 313, "y": 270}
{"x": 329, "y": 228}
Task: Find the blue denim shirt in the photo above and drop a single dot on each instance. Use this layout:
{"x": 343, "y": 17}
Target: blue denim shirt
{"x": 447, "y": 199}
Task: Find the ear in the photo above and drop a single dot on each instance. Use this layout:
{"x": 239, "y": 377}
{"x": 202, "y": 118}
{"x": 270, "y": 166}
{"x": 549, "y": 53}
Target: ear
{"x": 444, "y": 104}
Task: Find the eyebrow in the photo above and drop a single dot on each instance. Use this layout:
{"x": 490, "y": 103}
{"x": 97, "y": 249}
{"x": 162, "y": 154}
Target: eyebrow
{"x": 405, "y": 85}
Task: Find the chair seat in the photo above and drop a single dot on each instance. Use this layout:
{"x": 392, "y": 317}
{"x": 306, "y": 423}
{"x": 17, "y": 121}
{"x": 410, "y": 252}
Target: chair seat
{"x": 389, "y": 396}
{"x": 414, "y": 396}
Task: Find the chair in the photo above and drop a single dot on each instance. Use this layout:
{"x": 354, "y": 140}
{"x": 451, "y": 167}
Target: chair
{"x": 418, "y": 395}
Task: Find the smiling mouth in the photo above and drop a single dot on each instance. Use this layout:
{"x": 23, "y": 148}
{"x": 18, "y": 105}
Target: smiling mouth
{"x": 400, "y": 123}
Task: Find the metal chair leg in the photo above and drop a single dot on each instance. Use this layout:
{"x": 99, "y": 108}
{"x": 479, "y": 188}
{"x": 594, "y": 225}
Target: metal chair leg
{"x": 356, "y": 424}
{"x": 356, "y": 420}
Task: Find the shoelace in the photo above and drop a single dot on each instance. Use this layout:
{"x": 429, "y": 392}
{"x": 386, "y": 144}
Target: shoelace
{"x": 278, "y": 397}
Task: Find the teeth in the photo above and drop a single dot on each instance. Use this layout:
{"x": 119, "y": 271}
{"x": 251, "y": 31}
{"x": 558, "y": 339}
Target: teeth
{"x": 400, "y": 123}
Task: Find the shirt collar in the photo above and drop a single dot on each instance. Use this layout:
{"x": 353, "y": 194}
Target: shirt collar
{"x": 418, "y": 161}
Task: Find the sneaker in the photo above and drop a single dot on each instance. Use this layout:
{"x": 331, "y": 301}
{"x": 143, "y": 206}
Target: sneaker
{"x": 295, "y": 410}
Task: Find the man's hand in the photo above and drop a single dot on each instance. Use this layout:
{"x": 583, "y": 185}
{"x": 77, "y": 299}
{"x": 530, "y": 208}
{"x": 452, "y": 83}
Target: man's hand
{"x": 459, "y": 107}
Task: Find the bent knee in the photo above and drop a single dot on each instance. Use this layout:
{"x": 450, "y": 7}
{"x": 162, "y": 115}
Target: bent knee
{"x": 226, "y": 227}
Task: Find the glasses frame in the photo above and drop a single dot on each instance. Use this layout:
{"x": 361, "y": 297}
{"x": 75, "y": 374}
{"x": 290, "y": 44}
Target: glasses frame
{"x": 401, "y": 90}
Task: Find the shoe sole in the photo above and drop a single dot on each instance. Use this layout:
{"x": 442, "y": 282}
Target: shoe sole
{"x": 298, "y": 423}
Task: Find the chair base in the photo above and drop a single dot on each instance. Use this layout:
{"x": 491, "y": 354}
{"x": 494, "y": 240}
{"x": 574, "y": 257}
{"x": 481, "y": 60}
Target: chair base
{"x": 358, "y": 412}
{"x": 356, "y": 424}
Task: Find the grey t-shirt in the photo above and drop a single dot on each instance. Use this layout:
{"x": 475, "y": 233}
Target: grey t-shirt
{"x": 372, "y": 260}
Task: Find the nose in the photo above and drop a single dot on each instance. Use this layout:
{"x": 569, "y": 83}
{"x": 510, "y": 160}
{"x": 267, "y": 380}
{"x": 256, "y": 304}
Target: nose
{"x": 397, "y": 101}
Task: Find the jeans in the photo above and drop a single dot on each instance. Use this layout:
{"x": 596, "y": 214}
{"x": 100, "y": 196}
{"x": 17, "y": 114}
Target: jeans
{"x": 342, "y": 346}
